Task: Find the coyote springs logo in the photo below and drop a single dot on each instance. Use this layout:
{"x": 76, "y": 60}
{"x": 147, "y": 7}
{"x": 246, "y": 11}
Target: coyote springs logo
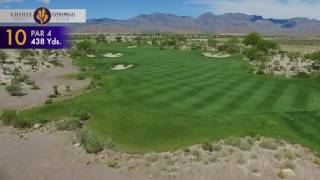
{"x": 42, "y": 15}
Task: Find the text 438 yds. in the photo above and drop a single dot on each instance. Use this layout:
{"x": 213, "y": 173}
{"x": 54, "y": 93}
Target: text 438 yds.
{"x": 43, "y": 41}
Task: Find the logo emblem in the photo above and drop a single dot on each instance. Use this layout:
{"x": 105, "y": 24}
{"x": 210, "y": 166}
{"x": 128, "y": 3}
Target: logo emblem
{"x": 42, "y": 15}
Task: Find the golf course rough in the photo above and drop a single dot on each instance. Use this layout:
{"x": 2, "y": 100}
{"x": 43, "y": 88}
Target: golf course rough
{"x": 171, "y": 99}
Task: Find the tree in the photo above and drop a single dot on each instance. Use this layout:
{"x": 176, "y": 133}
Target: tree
{"x": 3, "y": 56}
{"x": 55, "y": 90}
{"x": 119, "y": 39}
{"x": 87, "y": 46}
{"x": 252, "y": 39}
{"x": 212, "y": 42}
{"x": 254, "y": 54}
{"x": 15, "y": 89}
{"x": 266, "y": 46}
{"x": 101, "y": 38}
{"x": 230, "y": 46}
{"x": 294, "y": 55}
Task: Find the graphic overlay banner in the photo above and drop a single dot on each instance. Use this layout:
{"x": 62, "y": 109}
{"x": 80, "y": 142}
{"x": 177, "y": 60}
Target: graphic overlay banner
{"x": 57, "y": 15}
{"x": 39, "y": 37}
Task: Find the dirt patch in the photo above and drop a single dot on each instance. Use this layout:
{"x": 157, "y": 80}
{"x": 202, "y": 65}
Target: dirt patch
{"x": 120, "y": 67}
{"x": 45, "y": 79}
{"x": 47, "y": 154}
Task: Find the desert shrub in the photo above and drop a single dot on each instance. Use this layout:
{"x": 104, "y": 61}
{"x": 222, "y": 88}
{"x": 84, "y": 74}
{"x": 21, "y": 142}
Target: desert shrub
{"x": 289, "y": 155}
{"x": 48, "y": 101}
{"x": 90, "y": 141}
{"x": 15, "y": 89}
{"x": 52, "y": 96}
{"x": 84, "y": 116}
{"x": 21, "y": 78}
{"x": 230, "y": 46}
{"x": 55, "y": 90}
{"x": 56, "y": 63}
{"x": 170, "y": 162}
{"x": 21, "y": 123}
{"x": 252, "y": 39}
{"x": 217, "y": 147}
{"x": 80, "y": 77}
{"x": 253, "y": 54}
{"x": 313, "y": 56}
{"x": 152, "y": 157}
{"x": 302, "y": 75}
{"x": 186, "y": 150}
{"x": 8, "y": 116}
{"x": 86, "y": 46}
{"x": 281, "y": 174}
{"x": 245, "y": 145}
{"x": 289, "y": 165}
{"x": 317, "y": 160}
{"x": 26, "y": 53}
{"x": 212, "y": 42}
{"x": 97, "y": 76}
{"x": 241, "y": 160}
{"x": 269, "y": 144}
{"x": 293, "y": 55}
{"x": 207, "y": 146}
{"x": 196, "y": 153}
{"x": 233, "y": 141}
{"x": 113, "y": 164}
{"x": 213, "y": 158}
{"x": 101, "y": 38}
{"x": 75, "y": 53}
{"x": 69, "y": 124}
{"x": 3, "y": 56}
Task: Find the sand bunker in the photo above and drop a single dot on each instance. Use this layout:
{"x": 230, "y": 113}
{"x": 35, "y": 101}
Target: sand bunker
{"x": 111, "y": 55}
{"x": 121, "y": 67}
{"x": 218, "y": 55}
{"x": 131, "y": 47}
{"x": 91, "y": 56}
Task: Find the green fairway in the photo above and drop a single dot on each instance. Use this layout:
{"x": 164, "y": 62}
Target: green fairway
{"x": 172, "y": 99}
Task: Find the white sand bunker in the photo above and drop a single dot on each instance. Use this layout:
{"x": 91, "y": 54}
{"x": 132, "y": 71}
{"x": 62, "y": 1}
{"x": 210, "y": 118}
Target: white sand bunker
{"x": 121, "y": 67}
{"x": 111, "y": 55}
{"x": 131, "y": 47}
{"x": 91, "y": 56}
{"x": 218, "y": 55}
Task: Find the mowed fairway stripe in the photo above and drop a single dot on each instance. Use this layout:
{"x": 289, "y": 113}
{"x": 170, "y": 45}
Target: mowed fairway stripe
{"x": 301, "y": 98}
{"x": 178, "y": 79}
{"x": 219, "y": 92}
{"x": 242, "y": 98}
{"x": 194, "y": 90}
{"x": 176, "y": 85}
{"x": 273, "y": 96}
{"x": 178, "y": 72}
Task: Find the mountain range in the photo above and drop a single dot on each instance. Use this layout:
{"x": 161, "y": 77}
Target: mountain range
{"x": 229, "y": 23}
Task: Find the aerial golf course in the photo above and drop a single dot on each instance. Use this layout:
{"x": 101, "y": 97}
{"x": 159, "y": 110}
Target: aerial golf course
{"x": 171, "y": 99}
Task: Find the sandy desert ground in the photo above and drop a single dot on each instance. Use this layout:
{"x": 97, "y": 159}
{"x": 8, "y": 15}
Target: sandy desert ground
{"x": 45, "y": 79}
{"x": 47, "y": 154}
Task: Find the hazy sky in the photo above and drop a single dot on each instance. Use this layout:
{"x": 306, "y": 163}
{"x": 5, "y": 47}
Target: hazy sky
{"x": 122, "y": 9}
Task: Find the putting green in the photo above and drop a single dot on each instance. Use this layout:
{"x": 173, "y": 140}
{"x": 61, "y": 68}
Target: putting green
{"x": 172, "y": 98}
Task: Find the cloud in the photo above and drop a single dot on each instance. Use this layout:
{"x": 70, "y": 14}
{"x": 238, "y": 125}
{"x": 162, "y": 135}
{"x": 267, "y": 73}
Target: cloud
{"x": 269, "y": 8}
